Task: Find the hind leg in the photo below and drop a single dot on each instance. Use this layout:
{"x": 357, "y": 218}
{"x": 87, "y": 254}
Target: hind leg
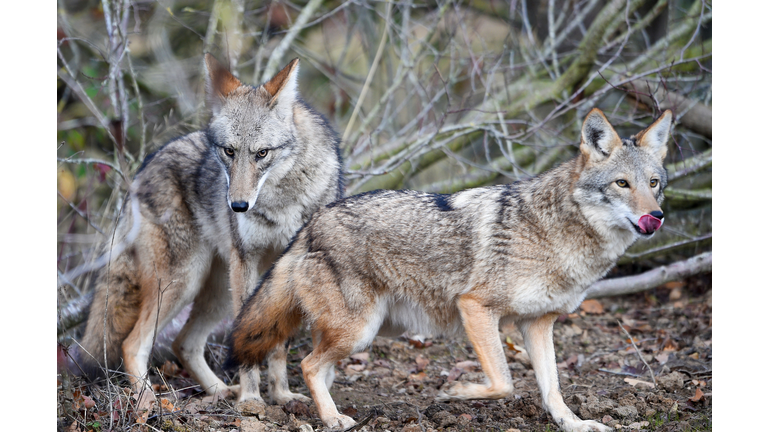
{"x": 481, "y": 326}
{"x": 316, "y": 367}
{"x": 330, "y": 377}
{"x": 209, "y": 307}
{"x": 277, "y": 378}
{"x": 164, "y": 294}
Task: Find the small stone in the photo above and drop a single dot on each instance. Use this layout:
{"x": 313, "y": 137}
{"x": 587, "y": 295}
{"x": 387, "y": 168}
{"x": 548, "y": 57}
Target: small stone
{"x": 638, "y": 425}
{"x": 411, "y": 428}
{"x": 298, "y": 408}
{"x": 626, "y": 412}
{"x": 672, "y": 381}
{"x": 275, "y": 414}
{"x": 251, "y": 424}
{"x": 445, "y": 419}
{"x": 251, "y": 408}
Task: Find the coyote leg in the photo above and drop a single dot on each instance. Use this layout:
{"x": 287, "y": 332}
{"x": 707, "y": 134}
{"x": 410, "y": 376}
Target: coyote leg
{"x": 316, "y": 367}
{"x": 277, "y": 378}
{"x": 481, "y": 326}
{"x": 210, "y": 306}
{"x": 537, "y": 334}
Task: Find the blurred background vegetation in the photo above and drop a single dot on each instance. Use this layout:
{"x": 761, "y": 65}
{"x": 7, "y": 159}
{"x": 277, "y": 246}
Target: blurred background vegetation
{"x": 430, "y": 95}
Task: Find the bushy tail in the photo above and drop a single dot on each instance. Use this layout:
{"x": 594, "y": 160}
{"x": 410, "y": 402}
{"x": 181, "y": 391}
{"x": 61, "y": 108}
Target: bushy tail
{"x": 117, "y": 297}
{"x": 269, "y": 317}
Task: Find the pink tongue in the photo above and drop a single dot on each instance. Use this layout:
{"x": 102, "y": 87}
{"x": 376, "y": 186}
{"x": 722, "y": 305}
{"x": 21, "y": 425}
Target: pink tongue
{"x": 649, "y": 223}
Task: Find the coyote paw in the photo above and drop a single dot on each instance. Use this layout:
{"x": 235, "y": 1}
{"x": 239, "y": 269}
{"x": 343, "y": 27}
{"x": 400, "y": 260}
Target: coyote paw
{"x": 285, "y": 396}
{"x": 464, "y": 391}
{"x": 585, "y": 426}
{"x": 339, "y": 422}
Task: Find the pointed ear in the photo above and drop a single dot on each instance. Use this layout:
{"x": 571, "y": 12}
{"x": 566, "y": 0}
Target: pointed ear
{"x": 283, "y": 87}
{"x": 219, "y": 83}
{"x": 598, "y": 138}
{"x": 654, "y": 137}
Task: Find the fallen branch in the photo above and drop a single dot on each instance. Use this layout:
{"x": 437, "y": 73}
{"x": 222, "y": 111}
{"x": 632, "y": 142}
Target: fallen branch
{"x": 652, "y": 278}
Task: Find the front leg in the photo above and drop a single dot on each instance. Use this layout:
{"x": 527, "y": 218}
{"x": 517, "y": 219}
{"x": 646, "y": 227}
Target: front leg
{"x": 539, "y": 342}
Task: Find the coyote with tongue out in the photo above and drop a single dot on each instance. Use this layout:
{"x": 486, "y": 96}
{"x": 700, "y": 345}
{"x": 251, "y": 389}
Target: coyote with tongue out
{"x": 389, "y": 261}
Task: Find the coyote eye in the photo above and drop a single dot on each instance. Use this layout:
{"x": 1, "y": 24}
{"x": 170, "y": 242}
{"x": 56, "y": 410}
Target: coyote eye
{"x": 261, "y": 154}
{"x": 229, "y": 152}
{"x": 654, "y": 182}
{"x": 622, "y": 183}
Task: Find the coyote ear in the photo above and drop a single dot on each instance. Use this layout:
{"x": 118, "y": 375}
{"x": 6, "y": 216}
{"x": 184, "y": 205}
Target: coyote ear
{"x": 598, "y": 138}
{"x": 654, "y": 137}
{"x": 219, "y": 83}
{"x": 282, "y": 88}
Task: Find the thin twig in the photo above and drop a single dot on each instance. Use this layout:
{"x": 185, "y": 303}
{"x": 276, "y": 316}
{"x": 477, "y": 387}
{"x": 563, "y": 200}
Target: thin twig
{"x": 371, "y": 72}
{"x": 277, "y": 54}
{"x": 637, "y": 351}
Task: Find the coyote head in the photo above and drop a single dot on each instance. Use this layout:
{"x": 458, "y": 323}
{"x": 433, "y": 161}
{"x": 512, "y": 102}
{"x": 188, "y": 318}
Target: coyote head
{"x": 252, "y": 129}
{"x": 622, "y": 180}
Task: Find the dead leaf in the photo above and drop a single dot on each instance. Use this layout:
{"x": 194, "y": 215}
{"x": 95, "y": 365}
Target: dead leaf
{"x": 635, "y": 382}
{"x": 572, "y": 360}
{"x": 663, "y": 357}
{"x": 511, "y": 346}
{"x": 468, "y": 366}
{"x": 673, "y": 285}
{"x": 419, "y": 377}
{"x": 697, "y": 397}
{"x": 354, "y": 368}
{"x": 694, "y": 356}
{"x": 350, "y": 411}
{"x": 419, "y": 343}
{"x": 361, "y": 357}
{"x": 592, "y": 306}
{"x": 166, "y": 405}
{"x": 676, "y": 293}
{"x": 169, "y": 369}
{"x": 421, "y": 362}
{"x": 670, "y": 345}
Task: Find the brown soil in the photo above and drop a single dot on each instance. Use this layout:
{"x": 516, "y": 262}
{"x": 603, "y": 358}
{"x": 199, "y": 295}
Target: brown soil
{"x": 393, "y": 385}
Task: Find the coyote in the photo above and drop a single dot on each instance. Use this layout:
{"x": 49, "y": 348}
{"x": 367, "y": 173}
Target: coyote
{"x": 217, "y": 207}
{"x": 389, "y": 261}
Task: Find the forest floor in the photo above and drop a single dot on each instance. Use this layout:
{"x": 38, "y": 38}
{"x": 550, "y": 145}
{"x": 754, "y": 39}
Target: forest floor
{"x": 393, "y": 385}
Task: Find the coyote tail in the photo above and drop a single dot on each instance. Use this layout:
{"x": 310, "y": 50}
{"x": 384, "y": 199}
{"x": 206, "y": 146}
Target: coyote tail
{"x": 116, "y": 303}
{"x": 270, "y": 317}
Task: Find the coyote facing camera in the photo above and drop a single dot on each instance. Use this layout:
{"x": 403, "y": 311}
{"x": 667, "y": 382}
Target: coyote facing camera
{"x": 389, "y": 261}
{"x": 216, "y": 207}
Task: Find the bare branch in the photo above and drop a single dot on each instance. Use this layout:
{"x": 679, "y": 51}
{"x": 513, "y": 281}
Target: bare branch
{"x": 652, "y": 278}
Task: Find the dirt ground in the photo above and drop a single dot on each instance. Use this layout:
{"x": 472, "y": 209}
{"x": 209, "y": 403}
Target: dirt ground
{"x": 393, "y": 385}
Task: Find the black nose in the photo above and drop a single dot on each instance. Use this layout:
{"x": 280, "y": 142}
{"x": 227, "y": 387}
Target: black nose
{"x": 240, "y": 206}
{"x": 657, "y": 214}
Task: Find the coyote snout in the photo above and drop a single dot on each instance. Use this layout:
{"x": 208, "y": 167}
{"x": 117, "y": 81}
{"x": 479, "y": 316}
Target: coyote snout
{"x": 649, "y": 223}
{"x": 240, "y": 206}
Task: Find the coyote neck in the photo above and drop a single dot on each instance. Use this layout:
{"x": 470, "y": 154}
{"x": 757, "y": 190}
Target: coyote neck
{"x": 545, "y": 206}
